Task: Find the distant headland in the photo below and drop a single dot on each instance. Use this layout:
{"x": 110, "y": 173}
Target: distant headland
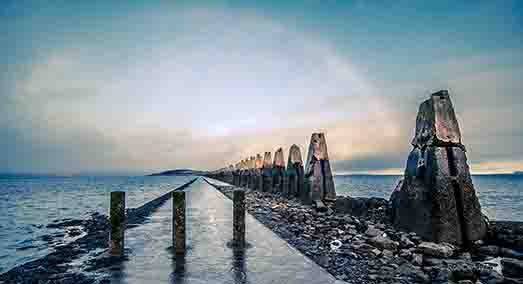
{"x": 180, "y": 172}
{"x": 518, "y": 173}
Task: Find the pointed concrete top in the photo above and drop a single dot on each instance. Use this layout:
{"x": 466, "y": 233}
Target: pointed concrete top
{"x": 317, "y": 148}
{"x": 436, "y": 124}
{"x": 259, "y": 161}
{"x": 279, "y": 161}
{"x": 267, "y": 160}
{"x": 294, "y": 156}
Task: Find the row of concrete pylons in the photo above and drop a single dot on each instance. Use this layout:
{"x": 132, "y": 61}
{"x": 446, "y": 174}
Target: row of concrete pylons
{"x": 436, "y": 199}
{"x": 312, "y": 182}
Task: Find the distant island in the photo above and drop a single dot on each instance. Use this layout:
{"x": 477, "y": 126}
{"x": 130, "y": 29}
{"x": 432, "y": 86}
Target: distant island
{"x": 518, "y": 173}
{"x": 179, "y": 172}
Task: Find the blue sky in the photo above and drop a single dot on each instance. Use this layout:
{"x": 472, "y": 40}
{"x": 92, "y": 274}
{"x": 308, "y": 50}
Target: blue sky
{"x": 132, "y": 88}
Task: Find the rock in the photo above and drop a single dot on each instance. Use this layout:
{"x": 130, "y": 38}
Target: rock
{"x": 438, "y": 250}
{"x": 359, "y": 206}
{"x": 462, "y": 271}
{"x": 437, "y": 199}
{"x": 489, "y": 250}
{"x": 412, "y": 274}
{"x": 387, "y": 253}
{"x": 417, "y": 259}
{"x": 512, "y": 267}
{"x": 373, "y": 232}
{"x": 490, "y": 276}
{"x": 382, "y": 242}
{"x": 323, "y": 261}
{"x": 441, "y": 275}
{"x": 405, "y": 242}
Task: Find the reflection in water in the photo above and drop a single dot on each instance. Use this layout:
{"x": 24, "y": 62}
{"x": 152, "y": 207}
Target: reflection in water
{"x": 178, "y": 274}
{"x": 238, "y": 265}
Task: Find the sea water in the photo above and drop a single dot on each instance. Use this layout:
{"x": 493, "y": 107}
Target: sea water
{"x": 29, "y": 203}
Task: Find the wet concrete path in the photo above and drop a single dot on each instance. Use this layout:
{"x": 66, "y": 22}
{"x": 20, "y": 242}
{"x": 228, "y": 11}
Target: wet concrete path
{"x": 268, "y": 259}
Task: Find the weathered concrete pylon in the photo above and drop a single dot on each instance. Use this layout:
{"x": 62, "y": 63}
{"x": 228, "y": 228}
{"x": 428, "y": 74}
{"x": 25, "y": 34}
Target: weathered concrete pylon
{"x": 258, "y": 166}
{"x": 243, "y": 175}
{"x": 267, "y": 173}
{"x": 318, "y": 174}
{"x": 229, "y": 174}
{"x": 294, "y": 172}
{"x": 236, "y": 175}
{"x": 278, "y": 171}
{"x": 437, "y": 199}
{"x": 250, "y": 172}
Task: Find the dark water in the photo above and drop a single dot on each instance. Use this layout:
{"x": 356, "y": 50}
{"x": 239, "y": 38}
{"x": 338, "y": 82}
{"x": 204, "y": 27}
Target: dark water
{"x": 501, "y": 196}
{"x": 28, "y": 204}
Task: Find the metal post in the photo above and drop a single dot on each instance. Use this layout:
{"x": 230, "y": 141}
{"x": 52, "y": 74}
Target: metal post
{"x": 239, "y": 218}
{"x": 179, "y": 222}
{"x": 117, "y": 219}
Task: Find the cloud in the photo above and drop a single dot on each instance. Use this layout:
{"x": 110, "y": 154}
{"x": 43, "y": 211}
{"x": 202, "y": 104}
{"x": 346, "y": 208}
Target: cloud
{"x": 214, "y": 86}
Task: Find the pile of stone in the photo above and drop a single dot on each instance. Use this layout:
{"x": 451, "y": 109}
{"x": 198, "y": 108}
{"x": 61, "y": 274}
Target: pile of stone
{"x": 367, "y": 249}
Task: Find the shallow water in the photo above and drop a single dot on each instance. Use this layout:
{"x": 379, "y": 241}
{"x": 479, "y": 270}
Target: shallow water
{"x": 29, "y": 204}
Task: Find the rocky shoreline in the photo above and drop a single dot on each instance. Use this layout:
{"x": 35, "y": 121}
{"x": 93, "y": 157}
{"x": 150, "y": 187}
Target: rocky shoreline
{"x": 367, "y": 249}
{"x": 59, "y": 266}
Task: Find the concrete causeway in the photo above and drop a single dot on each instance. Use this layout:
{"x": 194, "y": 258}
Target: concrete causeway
{"x": 209, "y": 259}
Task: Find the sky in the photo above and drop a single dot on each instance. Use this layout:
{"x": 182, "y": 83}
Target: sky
{"x": 144, "y": 86}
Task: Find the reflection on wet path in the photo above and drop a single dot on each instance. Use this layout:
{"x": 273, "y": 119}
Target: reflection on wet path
{"x": 208, "y": 259}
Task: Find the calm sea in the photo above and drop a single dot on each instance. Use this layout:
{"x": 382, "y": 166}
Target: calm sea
{"x": 28, "y": 204}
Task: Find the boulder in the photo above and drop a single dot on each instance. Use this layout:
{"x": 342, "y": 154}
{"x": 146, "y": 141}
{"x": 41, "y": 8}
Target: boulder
{"x": 437, "y": 250}
{"x": 383, "y": 242}
{"x": 358, "y": 206}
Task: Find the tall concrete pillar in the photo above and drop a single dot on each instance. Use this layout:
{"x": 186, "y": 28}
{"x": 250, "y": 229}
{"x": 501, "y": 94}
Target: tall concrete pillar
{"x": 267, "y": 173}
{"x": 318, "y": 172}
{"x": 236, "y": 175}
{"x": 294, "y": 172}
{"x": 437, "y": 199}
{"x": 252, "y": 166}
{"x": 278, "y": 172}
{"x": 243, "y": 173}
{"x": 258, "y": 166}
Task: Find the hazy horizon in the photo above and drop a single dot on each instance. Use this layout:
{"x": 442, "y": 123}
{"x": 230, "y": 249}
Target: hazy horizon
{"x": 154, "y": 85}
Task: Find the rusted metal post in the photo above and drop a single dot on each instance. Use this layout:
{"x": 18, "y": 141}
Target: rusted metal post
{"x": 179, "y": 222}
{"x": 117, "y": 219}
{"x": 239, "y": 218}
